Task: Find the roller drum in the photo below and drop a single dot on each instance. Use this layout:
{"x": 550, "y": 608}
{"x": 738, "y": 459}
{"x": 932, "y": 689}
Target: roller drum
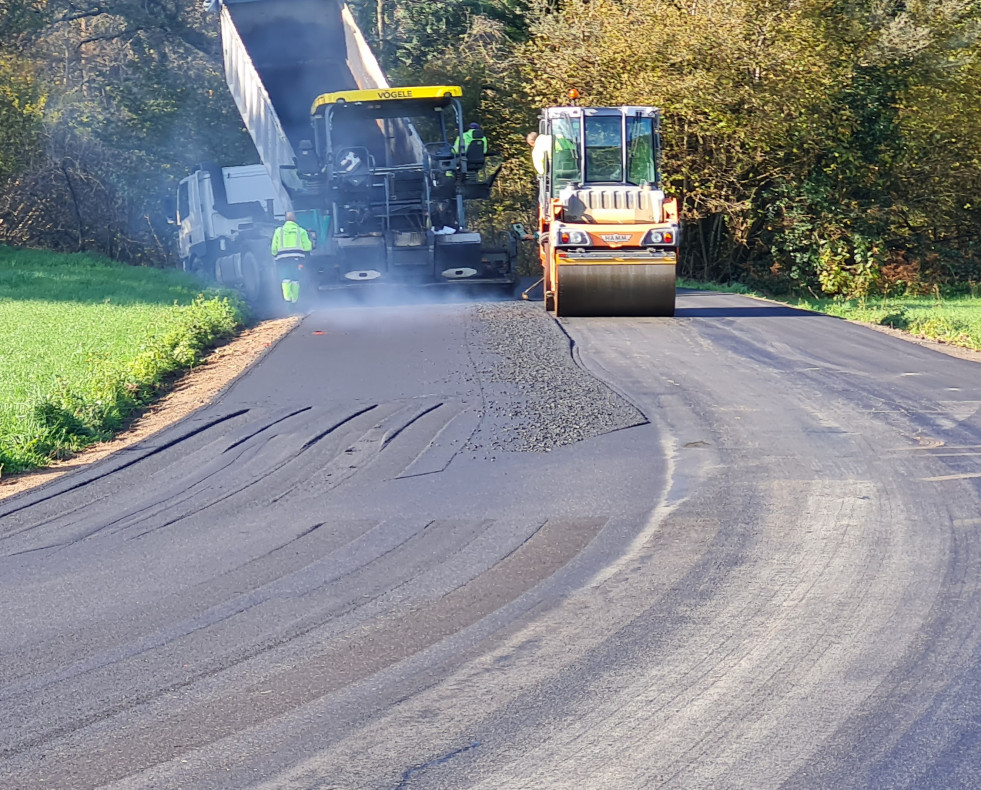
{"x": 615, "y": 289}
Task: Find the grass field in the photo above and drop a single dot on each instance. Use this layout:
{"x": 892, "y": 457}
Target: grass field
{"x": 87, "y": 341}
{"x": 951, "y": 317}
{"x": 954, "y": 319}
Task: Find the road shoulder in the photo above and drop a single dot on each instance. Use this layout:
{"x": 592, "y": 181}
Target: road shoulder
{"x": 195, "y": 389}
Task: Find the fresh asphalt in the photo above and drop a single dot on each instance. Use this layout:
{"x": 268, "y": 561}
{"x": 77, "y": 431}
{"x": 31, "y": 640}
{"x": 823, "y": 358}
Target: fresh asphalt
{"x": 463, "y": 546}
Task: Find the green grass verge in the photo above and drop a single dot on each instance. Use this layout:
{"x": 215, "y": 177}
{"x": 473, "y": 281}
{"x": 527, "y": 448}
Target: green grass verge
{"x": 951, "y": 317}
{"x": 87, "y": 342}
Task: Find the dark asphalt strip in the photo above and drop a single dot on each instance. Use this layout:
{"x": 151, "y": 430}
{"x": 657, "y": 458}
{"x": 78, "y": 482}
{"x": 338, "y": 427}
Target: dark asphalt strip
{"x": 122, "y": 460}
{"x": 378, "y": 644}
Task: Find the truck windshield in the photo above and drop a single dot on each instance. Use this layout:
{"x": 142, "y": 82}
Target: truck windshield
{"x": 387, "y": 129}
{"x": 641, "y": 151}
{"x": 604, "y": 148}
{"x": 183, "y": 202}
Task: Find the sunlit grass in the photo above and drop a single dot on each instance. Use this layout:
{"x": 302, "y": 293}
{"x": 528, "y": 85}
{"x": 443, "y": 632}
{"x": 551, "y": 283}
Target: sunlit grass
{"x": 86, "y": 341}
{"x": 951, "y": 317}
{"x": 44, "y": 341}
{"x": 954, "y": 319}
{"x": 82, "y": 278}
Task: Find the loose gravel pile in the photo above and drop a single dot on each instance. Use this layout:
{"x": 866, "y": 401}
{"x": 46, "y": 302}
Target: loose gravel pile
{"x": 536, "y": 398}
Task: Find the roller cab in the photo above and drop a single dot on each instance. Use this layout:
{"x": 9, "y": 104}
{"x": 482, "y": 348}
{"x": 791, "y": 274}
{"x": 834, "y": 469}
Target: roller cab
{"x": 609, "y": 237}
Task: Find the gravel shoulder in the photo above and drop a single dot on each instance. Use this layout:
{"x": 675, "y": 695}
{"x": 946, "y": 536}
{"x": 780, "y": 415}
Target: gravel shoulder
{"x": 944, "y": 348}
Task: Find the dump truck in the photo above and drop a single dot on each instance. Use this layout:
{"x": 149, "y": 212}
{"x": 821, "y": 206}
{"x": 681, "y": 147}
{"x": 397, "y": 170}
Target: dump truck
{"x": 345, "y": 152}
{"x": 608, "y": 235}
{"x": 225, "y": 218}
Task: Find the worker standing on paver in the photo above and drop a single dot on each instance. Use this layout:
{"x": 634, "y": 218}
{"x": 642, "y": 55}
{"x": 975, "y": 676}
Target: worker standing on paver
{"x": 290, "y": 245}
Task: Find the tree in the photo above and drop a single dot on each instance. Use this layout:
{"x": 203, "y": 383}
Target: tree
{"x": 134, "y": 96}
{"x": 790, "y": 131}
{"x": 21, "y": 99}
{"x": 408, "y": 34}
{"x": 21, "y": 113}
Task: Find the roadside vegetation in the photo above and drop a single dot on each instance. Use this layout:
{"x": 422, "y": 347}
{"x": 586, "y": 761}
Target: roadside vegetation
{"x": 950, "y": 316}
{"x": 87, "y": 342}
{"x": 953, "y": 318}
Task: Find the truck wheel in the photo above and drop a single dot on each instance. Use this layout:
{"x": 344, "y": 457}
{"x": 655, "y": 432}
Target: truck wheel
{"x": 260, "y": 286}
{"x": 194, "y": 265}
{"x": 252, "y": 288}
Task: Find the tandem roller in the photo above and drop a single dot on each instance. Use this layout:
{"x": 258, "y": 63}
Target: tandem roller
{"x": 608, "y": 236}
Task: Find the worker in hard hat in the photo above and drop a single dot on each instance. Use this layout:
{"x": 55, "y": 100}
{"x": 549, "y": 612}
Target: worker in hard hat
{"x": 290, "y": 245}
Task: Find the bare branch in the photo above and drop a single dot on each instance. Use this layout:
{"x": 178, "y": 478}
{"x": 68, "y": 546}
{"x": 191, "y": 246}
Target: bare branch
{"x": 73, "y": 16}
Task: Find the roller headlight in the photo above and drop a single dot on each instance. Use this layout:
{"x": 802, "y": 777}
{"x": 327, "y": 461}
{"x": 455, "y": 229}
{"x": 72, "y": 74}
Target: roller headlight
{"x": 659, "y": 237}
{"x": 571, "y": 237}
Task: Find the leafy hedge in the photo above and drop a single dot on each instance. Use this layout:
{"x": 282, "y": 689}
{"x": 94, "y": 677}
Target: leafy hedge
{"x": 70, "y": 418}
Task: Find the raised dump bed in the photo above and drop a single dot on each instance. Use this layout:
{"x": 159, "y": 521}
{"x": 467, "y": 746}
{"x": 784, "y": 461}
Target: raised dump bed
{"x": 279, "y": 56}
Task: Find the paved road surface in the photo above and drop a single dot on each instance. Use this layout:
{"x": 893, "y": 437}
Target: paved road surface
{"x": 422, "y": 547}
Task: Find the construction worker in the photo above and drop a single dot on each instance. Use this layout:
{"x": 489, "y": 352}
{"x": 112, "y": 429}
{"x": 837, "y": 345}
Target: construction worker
{"x": 473, "y": 132}
{"x": 540, "y": 145}
{"x": 290, "y": 245}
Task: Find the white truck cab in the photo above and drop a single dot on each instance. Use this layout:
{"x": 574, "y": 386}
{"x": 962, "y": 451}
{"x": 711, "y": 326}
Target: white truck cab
{"x": 225, "y": 219}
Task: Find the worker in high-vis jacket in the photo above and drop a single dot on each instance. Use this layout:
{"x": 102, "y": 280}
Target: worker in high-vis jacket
{"x": 541, "y": 145}
{"x": 471, "y": 133}
{"x": 290, "y": 245}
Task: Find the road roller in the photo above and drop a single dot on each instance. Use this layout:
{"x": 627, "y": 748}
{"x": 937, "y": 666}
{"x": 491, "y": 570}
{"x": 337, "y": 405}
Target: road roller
{"x": 608, "y": 236}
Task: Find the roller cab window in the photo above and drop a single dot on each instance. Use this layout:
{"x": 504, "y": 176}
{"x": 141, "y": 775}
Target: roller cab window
{"x": 642, "y": 151}
{"x": 565, "y": 153}
{"x": 604, "y": 149}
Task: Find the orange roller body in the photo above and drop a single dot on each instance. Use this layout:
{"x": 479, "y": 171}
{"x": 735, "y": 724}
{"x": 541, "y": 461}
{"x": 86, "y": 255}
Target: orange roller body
{"x": 609, "y": 238}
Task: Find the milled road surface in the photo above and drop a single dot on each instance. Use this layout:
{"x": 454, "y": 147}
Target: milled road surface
{"x": 425, "y": 548}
